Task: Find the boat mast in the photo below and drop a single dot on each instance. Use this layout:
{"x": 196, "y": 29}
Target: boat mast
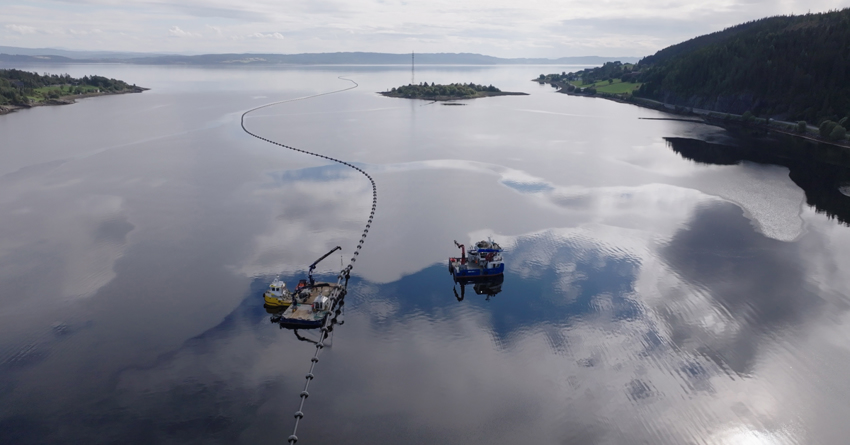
{"x": 412, "y": 68}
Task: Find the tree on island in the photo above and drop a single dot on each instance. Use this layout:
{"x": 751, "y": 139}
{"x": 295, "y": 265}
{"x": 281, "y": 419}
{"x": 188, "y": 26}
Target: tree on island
{"x": 424, "y": 90}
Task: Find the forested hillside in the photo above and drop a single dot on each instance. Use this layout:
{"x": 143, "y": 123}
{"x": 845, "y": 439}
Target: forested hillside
{"x": 794, "y": 67}
{"x": 25, "y": 88}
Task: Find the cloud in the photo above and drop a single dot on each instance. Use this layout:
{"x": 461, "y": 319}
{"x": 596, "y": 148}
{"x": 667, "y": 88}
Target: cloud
{"x": 496, "y": 27}
{"x": 175, "y": 31}
{"x": 270, "y": 35}
{"x": 633, "y": 26}
{"x": 84, "y": 32}
{"x": 21, "y": 29}
{"x": 216, "y": 29}
{"x": 230, "y": 12}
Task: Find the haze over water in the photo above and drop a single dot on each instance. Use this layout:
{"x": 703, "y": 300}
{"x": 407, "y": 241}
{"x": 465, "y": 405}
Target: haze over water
{"x": 661, "y": 286}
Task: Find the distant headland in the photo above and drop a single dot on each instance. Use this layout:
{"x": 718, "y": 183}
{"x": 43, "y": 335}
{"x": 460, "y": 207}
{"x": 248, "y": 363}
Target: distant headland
{"x": 452, "y": 91}
{"x": 23, "y": 89}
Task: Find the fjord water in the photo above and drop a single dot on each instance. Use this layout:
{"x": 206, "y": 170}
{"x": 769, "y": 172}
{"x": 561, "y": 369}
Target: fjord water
{"x": 666, "y": 282}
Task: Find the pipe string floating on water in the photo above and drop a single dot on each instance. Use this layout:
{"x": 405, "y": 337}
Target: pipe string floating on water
{"x": 338, "y": 295}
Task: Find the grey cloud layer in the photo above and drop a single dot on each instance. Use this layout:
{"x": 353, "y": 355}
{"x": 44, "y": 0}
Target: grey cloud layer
{"x": 500, "y": 28}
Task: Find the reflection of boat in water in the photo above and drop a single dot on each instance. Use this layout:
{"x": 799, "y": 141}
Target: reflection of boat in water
{"x": 482, "y": 265}
{"x": 484, "y": 259}
{"x": 307, "y": 306}
{"x": 489, "y": 286}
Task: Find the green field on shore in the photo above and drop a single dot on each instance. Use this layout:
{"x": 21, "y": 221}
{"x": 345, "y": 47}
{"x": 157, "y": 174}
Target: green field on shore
{"x": 617, "y": 87}
{"x": 42, "y": 94}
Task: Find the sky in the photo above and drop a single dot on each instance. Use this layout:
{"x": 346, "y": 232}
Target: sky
{"x": 502, "y": 28}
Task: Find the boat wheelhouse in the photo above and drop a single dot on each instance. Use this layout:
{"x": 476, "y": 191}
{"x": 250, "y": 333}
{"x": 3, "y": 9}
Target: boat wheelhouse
{"x": 277, "y": 295}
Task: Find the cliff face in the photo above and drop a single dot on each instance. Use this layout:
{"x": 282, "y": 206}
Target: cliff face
{"x": 791, "y": 66}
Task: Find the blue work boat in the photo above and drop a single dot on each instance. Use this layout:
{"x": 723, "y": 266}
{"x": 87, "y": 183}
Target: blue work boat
{"x": 482, "y": 261}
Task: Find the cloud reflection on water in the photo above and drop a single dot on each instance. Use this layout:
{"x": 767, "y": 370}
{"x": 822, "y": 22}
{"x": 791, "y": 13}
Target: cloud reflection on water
{"x": 757, "y": 281}
{"x": 624, "y": 318}
{"x": 563, "y": 354}
{"x": 324, "y": 202}
{"x": 84, "y": 234}
{"x": 777, "y": 218}
{"x": 574, "y": 350}
{"x": 414, "y": 368}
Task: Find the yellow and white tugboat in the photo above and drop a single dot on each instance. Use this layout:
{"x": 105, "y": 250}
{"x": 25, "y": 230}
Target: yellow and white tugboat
{"x": 277, "y": 296}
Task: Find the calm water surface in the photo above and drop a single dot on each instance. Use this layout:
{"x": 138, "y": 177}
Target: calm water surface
{"x": 667, "y": 282}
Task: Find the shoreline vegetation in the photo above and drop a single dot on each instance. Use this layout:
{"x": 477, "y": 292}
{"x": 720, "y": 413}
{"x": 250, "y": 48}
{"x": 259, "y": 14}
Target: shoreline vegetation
{"x": 22, "y": 89}
{"x": 786, "y": 74}
{"x": 453, "y": 91}
{"x": 791, "y": 68}
{"x": 828, "y": 132}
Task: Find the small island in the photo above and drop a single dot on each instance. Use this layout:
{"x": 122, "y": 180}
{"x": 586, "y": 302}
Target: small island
{"x": 452, "y": 91}
{"x": 23, "y": 89}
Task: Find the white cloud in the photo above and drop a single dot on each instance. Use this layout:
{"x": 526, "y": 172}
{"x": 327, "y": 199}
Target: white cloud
{"x": 534, "y": 28}
{"x": 21, "y": 29}
{"x": 84, "y": 32}
{"x": 216, "y": 30}
{"x": 271, "y": 35}
{"x": 177, "y": 32}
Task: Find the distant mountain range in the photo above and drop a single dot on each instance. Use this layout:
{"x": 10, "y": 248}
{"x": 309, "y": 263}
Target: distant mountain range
{"x": 14, "y": 55}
